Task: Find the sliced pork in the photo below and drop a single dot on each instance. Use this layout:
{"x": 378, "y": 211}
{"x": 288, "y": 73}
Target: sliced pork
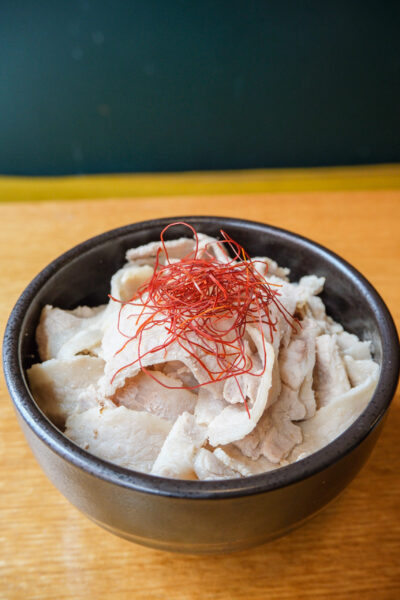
{"x": 137, "y": 386}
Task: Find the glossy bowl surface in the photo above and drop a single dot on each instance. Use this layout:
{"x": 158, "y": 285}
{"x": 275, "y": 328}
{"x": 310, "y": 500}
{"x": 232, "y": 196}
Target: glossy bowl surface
{"x": 199, "y": 516}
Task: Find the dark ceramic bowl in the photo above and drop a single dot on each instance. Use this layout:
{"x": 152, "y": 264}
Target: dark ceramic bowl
{"x": 199, "y": 516}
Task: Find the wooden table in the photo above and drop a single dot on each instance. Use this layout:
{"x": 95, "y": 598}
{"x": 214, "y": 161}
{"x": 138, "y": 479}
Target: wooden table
{"x": 351, "y": 550}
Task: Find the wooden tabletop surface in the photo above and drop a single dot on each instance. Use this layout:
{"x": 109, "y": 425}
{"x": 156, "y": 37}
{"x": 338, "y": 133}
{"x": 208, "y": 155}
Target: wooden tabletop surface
{"x": 48, "y": 550}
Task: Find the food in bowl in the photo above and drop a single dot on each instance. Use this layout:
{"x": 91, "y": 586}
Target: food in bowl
{"x": 205, "y": 364}
{"x": 208, "y": 516}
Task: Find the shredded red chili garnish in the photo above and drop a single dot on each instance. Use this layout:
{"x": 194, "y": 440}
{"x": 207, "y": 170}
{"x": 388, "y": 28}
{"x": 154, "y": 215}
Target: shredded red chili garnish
{"x": 204, "y": 305}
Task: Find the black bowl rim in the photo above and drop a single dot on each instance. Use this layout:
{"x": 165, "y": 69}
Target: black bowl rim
{"x": 255, "y": 484}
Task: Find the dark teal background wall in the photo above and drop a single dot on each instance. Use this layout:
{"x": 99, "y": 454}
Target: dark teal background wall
{"x": 120, "y": 85}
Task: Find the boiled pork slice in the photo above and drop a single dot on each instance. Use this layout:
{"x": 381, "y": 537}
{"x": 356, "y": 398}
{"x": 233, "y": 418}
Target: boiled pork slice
{"x": 64, "y": 387}
{"x": 64, "y": 333}
{"x": 281, "y": 435}
{"x": 235, "y": 460}
{"x": 211, "y": 246}
{"x": 290, "y": 403}
{"x": 233, "y": 423}
{"x": 265, "y": 266}
{"x": 207, "y": 466}
{"x": 245, "y": 385}
{"x": 330, "y": 376}
{"x": 334, "y": 418}
{"x": 307, "y": 396}
{"x": 145, "y": 394}
{"x": 176, "y": 249}
{"x": 307, "y": 287}
{"x": 126, "y": 281}
{"x": 360, "y": 370}
{"x": 121, "y": 353}
{"x": 293, "y": 363}
{"x": 296, "y": 365}
{"x": 125, "y": 437}
{"x": 274, "y": 437}
{"x": 177, "y": 455}
{"x": 208, "y": 405}
{"x": 350, "y": 345}
{"x": 176, "y": 368}
{"x": 284, "y": 324}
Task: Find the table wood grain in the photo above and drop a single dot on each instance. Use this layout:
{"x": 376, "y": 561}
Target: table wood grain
{"x": 48, "y": 550}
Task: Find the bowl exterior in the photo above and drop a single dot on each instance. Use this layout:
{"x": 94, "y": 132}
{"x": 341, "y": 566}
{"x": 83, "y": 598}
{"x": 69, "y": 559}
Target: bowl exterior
{"x": 198, "y": 526}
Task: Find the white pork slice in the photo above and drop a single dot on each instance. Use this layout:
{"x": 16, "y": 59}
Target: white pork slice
{"x": 293, "y": 363}
{"x": 310, "y": 305}
{"x": 308, "y": 286}
{"x": 307, "y": 396}
{"x": 284, "y": 324}
{"x": 296, "y": 363}
{"x": 119, "y": 326}
{"x": 290, "y": 403}
{"x": 360, "y": 370}
{"x": 126, "y": 437}
{"x": 208, "y": 406}
{"x": 126, "y": 281}
{"x": 330, "y": 376}
{"x": 334, "y": 418}
{"x": 64, "y": 333}
{"x": 144, "y": 393}
{"x": 235, "y": 460}
{"x": 64, "y": 387}
{"x": 281, "y": 435}
{"x": 147, "y": 253}
{"x": 176, "y": 368}
{"x": 316, "y": 310}
{"x": 236, "y": 389}
{"x": 274, "y": 437}
{"x": 246, "y": 385}
{"x": 250, "y": 444}
{"x": 233, "y": 423}
{"x": 121, "y": 352}
{"x": 350, "y": 345}
{"x": 266, "y": 266}
{"x": 275, "y": 434}
{"x": 207, "y": 466}
{"x": 120, "y": 347}
{"x": 212, "y": 246}
{"x": 177, "y": 455}
{"x": 124, "y": 285}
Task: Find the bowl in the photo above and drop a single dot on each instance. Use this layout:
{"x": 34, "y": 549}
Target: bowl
{"x": 199, "y": 516}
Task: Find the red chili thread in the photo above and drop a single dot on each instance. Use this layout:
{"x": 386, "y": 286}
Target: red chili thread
{"x": 189, "y": 298}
